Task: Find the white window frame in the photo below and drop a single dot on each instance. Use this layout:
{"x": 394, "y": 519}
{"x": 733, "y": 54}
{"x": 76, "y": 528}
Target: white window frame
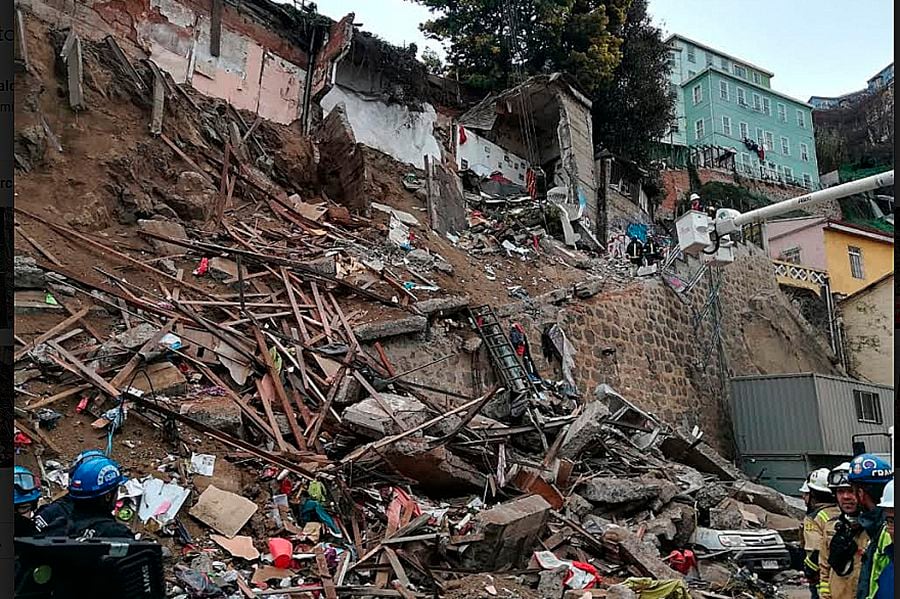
{"x": 801, "y": 119}
{"x": 740, "y": 71}
{"x": 699, "y": 129}
{"x": 757, "y": 102}
{"x": 791, "y": 254}
{"x": 788, "y": 174}
{"x": 804, "y": 152}
{"x": 807, "y": 181}
{"x": 741, "y": 95}
{"x": 697, "y": 94}
{"x": 723, "y": 62}
{"x": 745, "y": 130}
{"x": 723, "y": 90}
{"x": 770, "y": 141}
{"x": 709, "y": 59}
{"x": 782, "y": 112}
{"x": 726, "y": 125}
{"x": 857, "y": 268}
{"x": 691, "y": 55}
{"x": 785, "y": 146}
{"x": 767, "y": 106}
{"x": 757, "y": 78}
{"x": 871, "y": 416}
{"x": 760, "y": 136}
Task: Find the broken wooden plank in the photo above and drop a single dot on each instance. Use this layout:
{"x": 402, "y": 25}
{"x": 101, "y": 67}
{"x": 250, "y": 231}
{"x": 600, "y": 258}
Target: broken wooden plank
{"x": 51, "y": 333}
{"x": 223, "y": 183}
{"x": 123, "y": 61}
{"x": 324, "y": 575}
{"x": 159, "y": 100}
{"x": 279, "y": 389}
{"x": 215, "y": 28}
{"x": 43, "y": 403}
{"x": 38, "y": 435}
{"x": 186, "y": 158}
{"x": 41, "y": 249}
{"x": 89, "y": 373}
{"x": 265, "y": 390}
{"x": 74, "y": 71}
{"x": 399, "y": 572}
{"x": 22, "y": 45}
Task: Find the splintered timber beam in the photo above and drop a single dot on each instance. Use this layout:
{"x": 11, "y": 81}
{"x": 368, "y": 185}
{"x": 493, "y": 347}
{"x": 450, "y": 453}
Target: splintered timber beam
{"x": 71, "y": 55}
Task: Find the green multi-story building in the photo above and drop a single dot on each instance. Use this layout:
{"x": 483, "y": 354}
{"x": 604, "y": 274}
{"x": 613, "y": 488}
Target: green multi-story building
{"x": 726, "y": 103}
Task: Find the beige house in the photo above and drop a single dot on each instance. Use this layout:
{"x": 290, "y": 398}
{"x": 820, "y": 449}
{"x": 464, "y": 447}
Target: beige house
{"x": 869, "y": 331}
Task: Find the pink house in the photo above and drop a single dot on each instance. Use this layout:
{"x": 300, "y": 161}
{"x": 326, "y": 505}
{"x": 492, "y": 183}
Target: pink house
{"x": 798, "y": 240}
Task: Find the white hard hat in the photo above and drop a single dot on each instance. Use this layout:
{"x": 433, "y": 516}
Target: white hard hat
{"x": 887, "y": 497}
{"x": 804, "y": 488}
{"x": 837, "y": 478}
{"x": 818, "y": 480}
{"x": 694, "y": 196}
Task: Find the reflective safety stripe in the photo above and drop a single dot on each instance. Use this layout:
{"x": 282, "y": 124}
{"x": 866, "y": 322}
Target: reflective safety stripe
{"x": 823, "y": 516}
{"x": 813, "y": 565}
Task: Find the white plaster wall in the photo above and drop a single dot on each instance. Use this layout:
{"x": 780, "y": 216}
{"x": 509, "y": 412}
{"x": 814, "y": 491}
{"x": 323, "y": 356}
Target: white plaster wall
{"x": 485, "y": 157}
{"x": 405, "y": 135}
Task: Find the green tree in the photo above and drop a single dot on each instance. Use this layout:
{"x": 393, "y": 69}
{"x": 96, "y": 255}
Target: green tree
{"x": 633, "y": 109}
{"x": 491, "y": 40}
{"x": 433, "y": 62}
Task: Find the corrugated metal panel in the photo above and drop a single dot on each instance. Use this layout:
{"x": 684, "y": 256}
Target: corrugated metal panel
{"x": 776, "y": 414}
{"x": 837, "y": 413}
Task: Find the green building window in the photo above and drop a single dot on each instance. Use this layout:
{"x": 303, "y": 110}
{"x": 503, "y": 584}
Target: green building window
{"x": 788, "y": 174}
{"x": 740, "y": 71}
{"x": 807, "y": 181}
{"x": 741, "y": 96}
{"x": 801, "y": 119}
{"x": 690, "y": 54}
{"x": 698, "y": 129}
{"x": 804, "y": 152}
{"x": 785, "y": 146}
{"x": 745, "y": 131}
{"x": 723, "y": 90}
{"x": 782, "y": 112}
{"x": 757, "y": 102}
{"x": 697, "y": 94}
{"x": 756, "y": 78}
{"x": 726, "y": 125}
{"x": 767, "y": 107}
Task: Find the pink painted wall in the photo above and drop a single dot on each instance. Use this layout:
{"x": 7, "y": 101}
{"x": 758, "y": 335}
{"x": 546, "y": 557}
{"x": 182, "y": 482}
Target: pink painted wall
{"x": 806, "y": 233}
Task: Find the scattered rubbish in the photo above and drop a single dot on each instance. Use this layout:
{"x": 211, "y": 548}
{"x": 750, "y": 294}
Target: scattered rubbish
{"x": 202, "y": 464}
{"x": 223, "y": 511}
{"x": 202, "y": 268}
{"x": 238, "y": 546}
{"x": 161, "y": 501}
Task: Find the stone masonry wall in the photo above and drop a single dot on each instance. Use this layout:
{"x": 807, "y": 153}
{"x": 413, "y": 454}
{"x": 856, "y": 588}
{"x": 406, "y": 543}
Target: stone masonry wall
{"x": 642, "y": 340}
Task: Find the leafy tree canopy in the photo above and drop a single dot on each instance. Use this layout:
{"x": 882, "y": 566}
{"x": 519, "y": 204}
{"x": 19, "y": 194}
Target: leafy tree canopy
{"x": 489, "y": 39}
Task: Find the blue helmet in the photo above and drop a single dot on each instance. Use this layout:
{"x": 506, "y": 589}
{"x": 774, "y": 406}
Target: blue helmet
{"x": 868, "y": 468}
{"x": 95, "y": 477}
{"x": 26, "y": 486}
{"x": 87, "y": 454}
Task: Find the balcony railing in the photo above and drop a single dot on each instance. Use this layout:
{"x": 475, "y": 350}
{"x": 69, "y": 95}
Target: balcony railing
{"x": 797, "y": 275}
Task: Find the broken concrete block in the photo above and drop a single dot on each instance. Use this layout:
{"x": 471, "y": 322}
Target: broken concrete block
{"x": 551, "y": 583}
{"x": 436, "y": 469}
{"x": 767, "y": 498}
{"x": 136, "y": 336}
{"x": 323, "y": 266}
{"x": 511, "y": 530}
{"x": 645, "y": 557}
{"x": 588, "y": 288}
{"x": 680, "y": 447}
{"x": 369, "y": 419}
{"x": 586, "y": 431}
{"x": 165, "y": 379}
{"x": 578, "y": 506}
{"x": 613, "y": 490}
{"x": 620, "y": 591}
{"x": 348, "y": 391}
{"x": 716, "y": 574}
{"x": 223, "y": 269}
{"x": 216, "y": 412}
{"x": 726, "y": 516}
{"x": 374, "y": 331}
{"x": 27, "y": 274}
{"x": 168, "y": 229}
{"x": 443, "y": 306}
{"x": 193, "y": 197}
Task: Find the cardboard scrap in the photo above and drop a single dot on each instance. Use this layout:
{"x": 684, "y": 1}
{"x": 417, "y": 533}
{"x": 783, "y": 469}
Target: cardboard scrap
{"x": 222, "y": 511}
{"x": 267, "y": 573}
{"x": 239, "y": 546}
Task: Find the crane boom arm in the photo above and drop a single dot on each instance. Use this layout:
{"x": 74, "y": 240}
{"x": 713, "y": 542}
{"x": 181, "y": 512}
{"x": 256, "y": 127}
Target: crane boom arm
{"x": 832, "y": 193}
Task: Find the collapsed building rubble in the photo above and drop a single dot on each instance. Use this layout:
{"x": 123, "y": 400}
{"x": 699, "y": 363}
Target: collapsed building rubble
{"x": 224, "y": 343}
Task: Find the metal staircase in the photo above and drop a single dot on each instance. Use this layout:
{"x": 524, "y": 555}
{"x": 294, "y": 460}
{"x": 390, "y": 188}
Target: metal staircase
{"x": 506, "y": 363}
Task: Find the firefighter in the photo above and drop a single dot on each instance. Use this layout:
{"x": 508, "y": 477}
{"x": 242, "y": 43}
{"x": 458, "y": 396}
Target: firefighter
{"x": 93, "y": 488}
{"x": 881, "y": 581}
{"x": 820, "y": 509}
{"x": 26, "y": 495}
{"x": 868, "y": 476}
{"x": 62, "y": 507}
{"x": 839, "y": 569}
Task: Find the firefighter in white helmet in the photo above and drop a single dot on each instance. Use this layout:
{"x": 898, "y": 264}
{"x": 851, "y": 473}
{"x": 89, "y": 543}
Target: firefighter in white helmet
{"x": 820, "y": 508}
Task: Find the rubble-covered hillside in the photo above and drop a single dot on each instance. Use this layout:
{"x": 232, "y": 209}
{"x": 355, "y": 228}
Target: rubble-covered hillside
{"x": 191, "y": 298}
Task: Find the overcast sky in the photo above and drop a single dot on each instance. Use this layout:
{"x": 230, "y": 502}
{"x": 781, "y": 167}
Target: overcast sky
{"x": 822, "y": 48}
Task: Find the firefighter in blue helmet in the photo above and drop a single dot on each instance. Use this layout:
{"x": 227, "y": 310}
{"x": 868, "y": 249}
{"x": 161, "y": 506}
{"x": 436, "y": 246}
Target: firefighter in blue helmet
{"x": 868, "y": 476}
{"x": 26, "y": 494}
{"x": 62, "y": 507}
{"x": 93, "y": 489}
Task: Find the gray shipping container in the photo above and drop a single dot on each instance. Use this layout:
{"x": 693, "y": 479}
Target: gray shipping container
{"x": 786, "y": 425}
